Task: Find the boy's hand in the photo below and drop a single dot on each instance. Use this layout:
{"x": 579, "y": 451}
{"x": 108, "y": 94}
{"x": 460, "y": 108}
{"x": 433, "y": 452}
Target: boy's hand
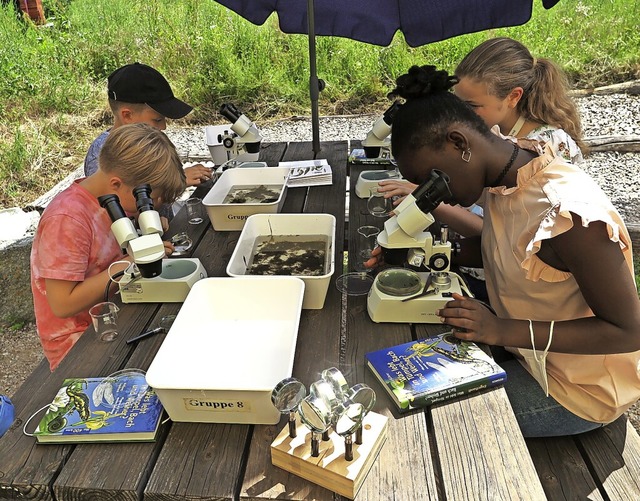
{"x": 168, "y": 248}
{"x": 197, "y": 174}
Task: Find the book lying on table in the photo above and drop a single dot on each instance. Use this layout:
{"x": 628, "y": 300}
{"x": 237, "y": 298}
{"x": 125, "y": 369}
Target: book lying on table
{"x": 118, "y": 408}
{"x": 358, "y": 156}
{"x": 308, "y": 173}
{"x": 425, "y": 372}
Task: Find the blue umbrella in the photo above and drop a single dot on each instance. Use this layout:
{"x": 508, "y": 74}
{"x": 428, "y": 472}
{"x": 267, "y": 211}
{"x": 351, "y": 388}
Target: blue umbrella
{"x": 377, "y": 21}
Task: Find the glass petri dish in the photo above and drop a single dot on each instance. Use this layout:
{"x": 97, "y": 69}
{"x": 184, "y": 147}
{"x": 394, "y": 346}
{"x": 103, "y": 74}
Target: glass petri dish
{"x": 399, "y": 282}
{"x": 355, "y": 283}
{"x": 181, "y": 243}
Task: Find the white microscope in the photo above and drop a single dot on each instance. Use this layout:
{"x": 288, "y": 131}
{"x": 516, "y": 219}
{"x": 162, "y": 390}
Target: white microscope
{"x": 243, "y": 143}
{"x": 377, "y": 144}
{"x": 403, "y": 294}
{"x": 150, "y": 278}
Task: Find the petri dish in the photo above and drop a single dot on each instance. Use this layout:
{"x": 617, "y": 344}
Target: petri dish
{"x": 379, "y": 175}
{"x": 399, "y": 282}
{"x": 355, "y": 283}
{"x": 182, "y": 244}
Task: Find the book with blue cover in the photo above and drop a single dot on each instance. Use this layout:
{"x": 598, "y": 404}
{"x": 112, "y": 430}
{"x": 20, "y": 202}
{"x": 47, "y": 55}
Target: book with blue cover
{"x": 425, "y": 372}
{"x": 117, "y": 408}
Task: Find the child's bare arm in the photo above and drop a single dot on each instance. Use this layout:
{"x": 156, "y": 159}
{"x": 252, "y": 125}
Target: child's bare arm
{"x": 602, "y": 274}
{"x": 68, "y": 298}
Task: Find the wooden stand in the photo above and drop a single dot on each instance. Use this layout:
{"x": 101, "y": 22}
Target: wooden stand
{"x": 330, "y": 469}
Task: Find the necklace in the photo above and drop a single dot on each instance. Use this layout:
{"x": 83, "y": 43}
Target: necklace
{"x": 517, "y": 127}
{"x": 500, "y": 177}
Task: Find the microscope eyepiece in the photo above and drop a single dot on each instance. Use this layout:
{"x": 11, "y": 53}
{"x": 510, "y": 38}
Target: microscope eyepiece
{"x": 433, "y": 191}
{"x": 142, "y": 195}
{"x": 230, "y": 112}
{"x": 388, "y": 115}
{"x": 112, "y": 205}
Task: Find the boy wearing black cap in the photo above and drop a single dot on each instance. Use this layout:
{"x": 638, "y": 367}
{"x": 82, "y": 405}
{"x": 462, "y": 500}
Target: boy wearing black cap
{"x": 140, "y": 94}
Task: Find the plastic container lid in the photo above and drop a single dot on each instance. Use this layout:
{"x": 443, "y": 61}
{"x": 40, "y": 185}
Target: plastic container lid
{"x": 355, "y": 283}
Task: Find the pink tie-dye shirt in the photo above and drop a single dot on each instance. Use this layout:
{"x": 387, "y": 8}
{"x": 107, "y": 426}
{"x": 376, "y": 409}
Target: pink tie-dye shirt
{"x": 73, "y": 242}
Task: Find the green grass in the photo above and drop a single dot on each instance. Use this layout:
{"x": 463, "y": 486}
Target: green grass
{"x": 52, "y": 78}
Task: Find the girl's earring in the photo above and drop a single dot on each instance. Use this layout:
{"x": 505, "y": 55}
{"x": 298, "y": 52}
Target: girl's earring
{"x": 466, "y": 155}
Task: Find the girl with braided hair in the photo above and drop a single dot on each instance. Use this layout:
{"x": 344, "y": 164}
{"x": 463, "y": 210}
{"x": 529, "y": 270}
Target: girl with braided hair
{"x": 556, "y": 254}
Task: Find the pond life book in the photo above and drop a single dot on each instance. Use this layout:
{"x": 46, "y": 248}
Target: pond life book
{"x": 425, "y": 372}
{"x": 118, "y": 408}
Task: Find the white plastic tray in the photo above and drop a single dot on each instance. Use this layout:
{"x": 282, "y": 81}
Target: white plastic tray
{"x": 233, "y": 340}
{"x": 231, "y": 217}
{"x": 288, "y": 224}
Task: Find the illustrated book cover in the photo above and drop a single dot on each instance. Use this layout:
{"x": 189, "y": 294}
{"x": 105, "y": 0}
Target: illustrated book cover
{"x": 118, "y": 408}
{"x": 357, "y": 156}
{"x": 308, "y": 173}
{"x": 425, "y": 372}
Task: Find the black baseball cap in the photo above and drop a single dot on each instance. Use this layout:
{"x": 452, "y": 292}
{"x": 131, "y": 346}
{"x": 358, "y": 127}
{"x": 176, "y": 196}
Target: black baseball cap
{"x": 139, "y": 83}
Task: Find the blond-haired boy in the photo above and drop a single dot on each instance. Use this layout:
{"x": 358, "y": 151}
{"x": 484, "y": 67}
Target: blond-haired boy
{"x": 74, "y": 247}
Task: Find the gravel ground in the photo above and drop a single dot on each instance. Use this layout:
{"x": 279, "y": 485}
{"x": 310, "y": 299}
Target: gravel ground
{"x": 617, "y": 173}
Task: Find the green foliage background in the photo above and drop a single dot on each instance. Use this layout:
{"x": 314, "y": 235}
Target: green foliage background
{"x": 53, "y": 77}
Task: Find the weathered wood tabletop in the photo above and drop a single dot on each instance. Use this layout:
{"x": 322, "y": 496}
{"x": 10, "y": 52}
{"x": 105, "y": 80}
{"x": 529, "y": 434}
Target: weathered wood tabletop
{"x": 468, "y": 449}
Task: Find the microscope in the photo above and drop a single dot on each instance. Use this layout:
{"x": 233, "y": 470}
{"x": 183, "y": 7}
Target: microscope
{"x": 150, "y": 278}
{"x": 377, "y": 144}
{"x": 421, "y": 281}
{"x": 243, "y": 142}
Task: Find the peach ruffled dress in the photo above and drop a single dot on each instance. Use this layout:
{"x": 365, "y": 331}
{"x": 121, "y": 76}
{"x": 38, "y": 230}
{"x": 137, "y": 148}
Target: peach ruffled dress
{"x": 597, "y": 388}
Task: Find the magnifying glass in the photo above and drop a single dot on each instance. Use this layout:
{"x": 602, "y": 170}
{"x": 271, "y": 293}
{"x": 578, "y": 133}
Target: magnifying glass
{"x": 361, "y": 393}
{"x": 347, "y": 419}
{"x": 323, "y": 390}
{"x": 315, "y": 415}
{"x": 286, "y": 396}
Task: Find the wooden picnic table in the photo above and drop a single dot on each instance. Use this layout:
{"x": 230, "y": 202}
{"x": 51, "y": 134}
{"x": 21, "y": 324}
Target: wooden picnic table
{"x": 467, "y": 449}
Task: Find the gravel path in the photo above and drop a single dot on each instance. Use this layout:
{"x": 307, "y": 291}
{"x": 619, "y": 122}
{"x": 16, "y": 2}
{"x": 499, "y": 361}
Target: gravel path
{"x": 617, "y": 173}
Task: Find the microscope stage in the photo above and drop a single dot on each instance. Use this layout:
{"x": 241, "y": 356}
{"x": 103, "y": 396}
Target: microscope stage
{"x": 384, "y": 307}
{"x": 171, "y": 286}
{"x": 368, "y": 180}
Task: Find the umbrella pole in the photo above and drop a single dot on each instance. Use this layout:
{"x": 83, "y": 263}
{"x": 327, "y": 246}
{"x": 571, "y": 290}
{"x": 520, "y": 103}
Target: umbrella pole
{"x": 315, "y": 85}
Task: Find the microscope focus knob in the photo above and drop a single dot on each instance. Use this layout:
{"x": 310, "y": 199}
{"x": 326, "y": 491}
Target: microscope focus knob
{"x": 439, "y": 262}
